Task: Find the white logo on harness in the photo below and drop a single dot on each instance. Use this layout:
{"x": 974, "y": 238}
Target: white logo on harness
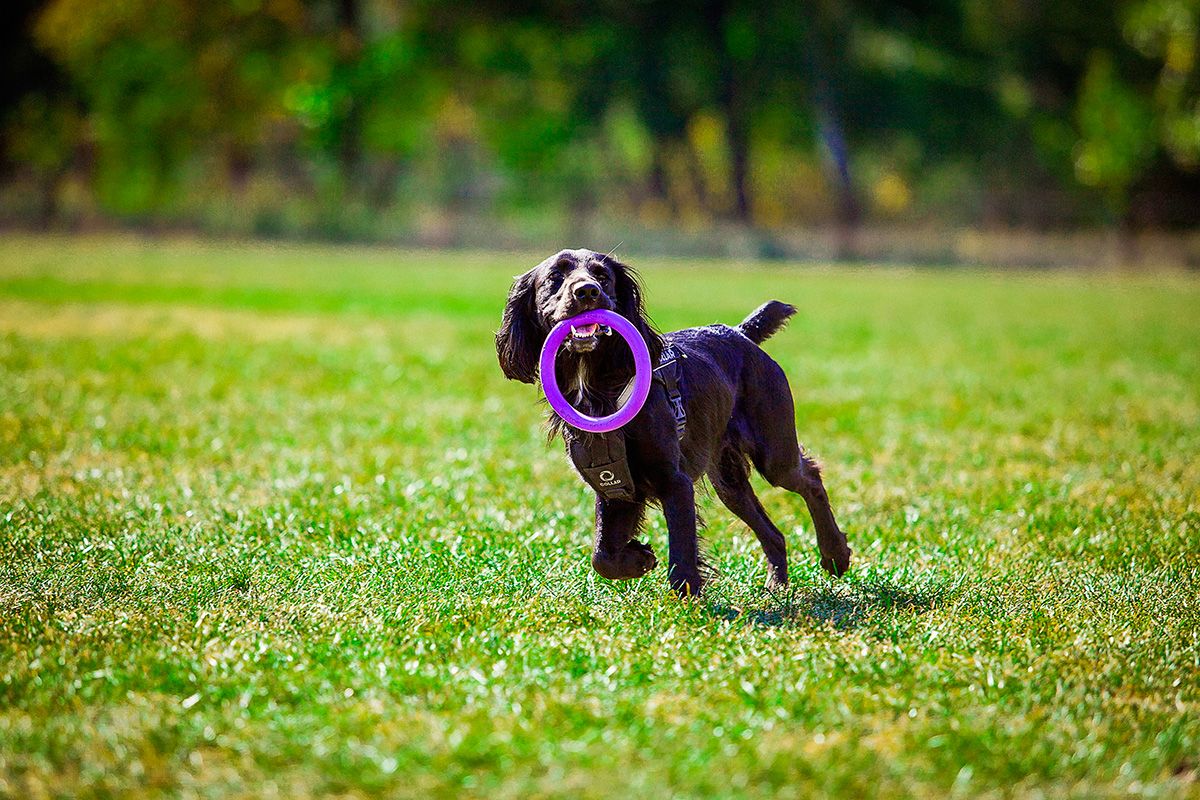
{"x": 607, "y": 478}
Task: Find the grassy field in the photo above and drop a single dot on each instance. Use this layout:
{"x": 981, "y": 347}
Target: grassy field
{"x": 272, "y": 523}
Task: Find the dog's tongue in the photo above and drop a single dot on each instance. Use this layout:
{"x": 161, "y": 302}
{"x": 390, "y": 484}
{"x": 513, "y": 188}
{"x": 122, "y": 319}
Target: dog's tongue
{"x": 583, "y": 331}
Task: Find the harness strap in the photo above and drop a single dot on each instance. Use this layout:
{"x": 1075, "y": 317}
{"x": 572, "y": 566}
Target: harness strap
{"x": 607, "y": 470}
{"x": 669, "y": 373}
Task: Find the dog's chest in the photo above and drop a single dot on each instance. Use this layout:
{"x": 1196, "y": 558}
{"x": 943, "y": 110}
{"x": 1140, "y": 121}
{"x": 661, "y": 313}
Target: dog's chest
{"x": 603, "y": 463}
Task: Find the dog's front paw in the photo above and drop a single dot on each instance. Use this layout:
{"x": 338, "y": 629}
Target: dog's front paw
{"x": 640, "y": 557}
{"x": 686, "y": 584}
{"x": 642, "y": 547}
{"x": 836, "y": 563}
{"x": 777, "y": 577}
{"x": 634, "y": 560}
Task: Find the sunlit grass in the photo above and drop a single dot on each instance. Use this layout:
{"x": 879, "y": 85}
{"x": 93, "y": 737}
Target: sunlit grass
{"x": 272, "y": 522}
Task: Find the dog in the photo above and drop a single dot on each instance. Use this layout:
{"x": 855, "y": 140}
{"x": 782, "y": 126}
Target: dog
{"x": 736, "y": 406}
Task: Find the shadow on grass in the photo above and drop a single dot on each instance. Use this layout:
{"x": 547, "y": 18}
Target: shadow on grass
{"x": 845, "y": 605}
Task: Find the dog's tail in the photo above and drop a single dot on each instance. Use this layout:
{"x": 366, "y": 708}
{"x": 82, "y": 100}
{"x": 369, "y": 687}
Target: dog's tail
{"x": 766, "y": 321}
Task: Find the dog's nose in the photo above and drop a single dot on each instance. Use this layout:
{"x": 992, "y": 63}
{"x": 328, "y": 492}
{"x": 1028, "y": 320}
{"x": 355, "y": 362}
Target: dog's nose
{"x": 587, "y": 292}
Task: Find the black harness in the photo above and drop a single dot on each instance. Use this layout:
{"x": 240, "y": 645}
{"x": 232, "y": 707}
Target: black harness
{"x": 669, "y": 373}
{"x": 607, "y": 467}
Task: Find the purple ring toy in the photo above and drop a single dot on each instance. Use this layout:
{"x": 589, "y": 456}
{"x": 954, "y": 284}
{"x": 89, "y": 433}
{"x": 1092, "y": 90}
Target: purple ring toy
{"x": 642, "y": 371}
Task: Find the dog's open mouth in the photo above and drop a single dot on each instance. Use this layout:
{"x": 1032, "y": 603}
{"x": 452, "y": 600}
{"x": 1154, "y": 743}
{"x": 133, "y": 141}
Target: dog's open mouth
{"x": 585, "y": 337}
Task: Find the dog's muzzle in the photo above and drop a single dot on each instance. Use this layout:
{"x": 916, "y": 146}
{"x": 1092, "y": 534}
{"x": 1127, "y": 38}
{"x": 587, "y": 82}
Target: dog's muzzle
{"x": 584, "y": 338}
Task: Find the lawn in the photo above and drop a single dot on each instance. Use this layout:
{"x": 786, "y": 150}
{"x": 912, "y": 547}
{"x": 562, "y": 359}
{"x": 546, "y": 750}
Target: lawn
{"x": 272, "y": 523}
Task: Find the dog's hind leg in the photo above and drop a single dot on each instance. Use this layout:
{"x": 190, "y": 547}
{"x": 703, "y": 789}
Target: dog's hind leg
{"x": 769, "y": 433}
{"x": 803, "y": 477}
{"x": 731, "y": 479}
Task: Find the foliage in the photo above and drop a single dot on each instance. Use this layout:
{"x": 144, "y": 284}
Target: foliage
{"x": 163, "y": 79}
{"x": 765, "y": 113}
{"x": 1169, "y": 31}
{"x": 271, "y": 521}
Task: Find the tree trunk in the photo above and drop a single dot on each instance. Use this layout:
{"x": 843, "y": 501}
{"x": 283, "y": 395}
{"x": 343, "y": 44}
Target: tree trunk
{"x": 739, "y": 156}
{"x": 848, "y": 215}
{"x": 349, "y": 44}
{"x": 849, "y": 211}
{"x": 732, "y": 97}
{"x": 658, "y": 187}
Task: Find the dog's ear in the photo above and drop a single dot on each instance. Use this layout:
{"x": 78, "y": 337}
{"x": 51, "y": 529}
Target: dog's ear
{"x": 631, "y": 306}
{"x": 519, "y": 340}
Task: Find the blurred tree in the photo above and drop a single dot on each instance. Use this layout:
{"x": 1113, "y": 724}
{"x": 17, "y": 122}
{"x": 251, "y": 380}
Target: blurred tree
{"x": 40, "y": 116}
{"x": 1168, "y": 32}
{"x": 164, "y": 79}
{"x": 1115, "y": 139}
{"x": 985, "y": 111}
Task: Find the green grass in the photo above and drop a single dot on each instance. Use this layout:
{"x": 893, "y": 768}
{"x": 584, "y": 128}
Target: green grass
{"x": 272, "y": 522}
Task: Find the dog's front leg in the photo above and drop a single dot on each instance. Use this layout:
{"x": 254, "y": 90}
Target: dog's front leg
{"x": 683, "y": 551}
{"x": 617, "y": 555}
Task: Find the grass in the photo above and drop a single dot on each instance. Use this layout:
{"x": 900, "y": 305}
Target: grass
{"x": 272, "y": 523}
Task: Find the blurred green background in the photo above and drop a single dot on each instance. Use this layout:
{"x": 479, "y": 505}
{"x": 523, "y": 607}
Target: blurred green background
{"x": 936, "y": 130}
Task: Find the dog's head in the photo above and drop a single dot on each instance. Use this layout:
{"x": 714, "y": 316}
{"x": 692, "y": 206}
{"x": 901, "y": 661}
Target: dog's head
{"x": 563, "y": 286}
